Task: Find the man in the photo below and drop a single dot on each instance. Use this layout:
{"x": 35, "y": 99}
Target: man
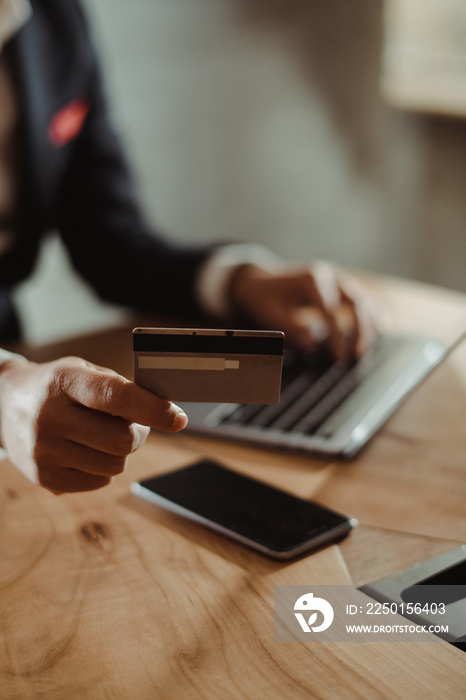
{"x": 69, "y": 425}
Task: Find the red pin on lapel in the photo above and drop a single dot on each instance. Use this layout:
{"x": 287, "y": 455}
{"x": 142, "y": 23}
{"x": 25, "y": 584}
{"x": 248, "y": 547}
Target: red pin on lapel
{"x": 67, "y": 124}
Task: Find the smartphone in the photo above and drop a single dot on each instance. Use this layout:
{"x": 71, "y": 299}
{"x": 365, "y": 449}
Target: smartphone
{"x": 264, "y": 518}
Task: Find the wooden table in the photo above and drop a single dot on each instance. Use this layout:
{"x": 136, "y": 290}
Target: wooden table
{"x": 102, "y": 596}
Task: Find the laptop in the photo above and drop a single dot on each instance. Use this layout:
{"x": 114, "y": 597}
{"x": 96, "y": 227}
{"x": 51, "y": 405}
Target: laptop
{"x": 326, "y": 407}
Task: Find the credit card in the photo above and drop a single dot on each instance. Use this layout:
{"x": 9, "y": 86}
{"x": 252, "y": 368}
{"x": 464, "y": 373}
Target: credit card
{"x": 209, "y": 365}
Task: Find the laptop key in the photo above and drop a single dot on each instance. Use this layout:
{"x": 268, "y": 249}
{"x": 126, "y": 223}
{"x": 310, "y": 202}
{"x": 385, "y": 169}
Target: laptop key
{"x": 310, "y": 397}
{"x": 315, "y": 417}
{"x": 288, "y": 396}
{"x": 242, "y": 414}
{"x": 310, "y": 423}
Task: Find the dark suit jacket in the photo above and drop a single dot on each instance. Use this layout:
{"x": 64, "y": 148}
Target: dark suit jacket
{"x": 79, "y": 183}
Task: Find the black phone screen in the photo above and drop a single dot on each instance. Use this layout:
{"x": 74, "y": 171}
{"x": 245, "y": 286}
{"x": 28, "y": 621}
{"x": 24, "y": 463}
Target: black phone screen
{"x": 248, "y": 507}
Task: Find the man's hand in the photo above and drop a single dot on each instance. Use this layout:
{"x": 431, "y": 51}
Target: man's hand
{"x": 310, "y": 305}
{"x": 69, "y": 425}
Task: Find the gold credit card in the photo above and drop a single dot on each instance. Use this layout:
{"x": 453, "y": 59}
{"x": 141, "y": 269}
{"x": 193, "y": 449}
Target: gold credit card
{"x": 218, "y": 366}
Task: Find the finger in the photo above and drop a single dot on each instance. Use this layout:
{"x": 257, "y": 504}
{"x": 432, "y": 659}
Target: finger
{"x": 73, "y": 361}
{"x": 326, "y": 287}
{"x": 101, "y": 368}
{"x": 369, "y": 329}
{"x": 305, "y": 328}
{"x": 364, "y": 323}
{"x": 117, "y": 396}
{"x": 59, "y": 480}
{"x": 324, "y": 293}
{"x": 100, "y": 431}
{"x": 71, "y": 455}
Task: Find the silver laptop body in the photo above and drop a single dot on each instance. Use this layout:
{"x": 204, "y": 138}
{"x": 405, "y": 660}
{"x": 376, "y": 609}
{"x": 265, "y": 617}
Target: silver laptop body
{"x": 326, "y": 408}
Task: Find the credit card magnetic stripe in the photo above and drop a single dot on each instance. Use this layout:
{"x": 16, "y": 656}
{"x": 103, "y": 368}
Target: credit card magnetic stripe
{"x": 154, "y": 342}
{"x": 197, "y": 363}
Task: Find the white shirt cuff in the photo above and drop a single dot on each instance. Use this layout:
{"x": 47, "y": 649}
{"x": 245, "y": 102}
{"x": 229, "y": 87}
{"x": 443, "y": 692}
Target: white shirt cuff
{"x": 5, "y": 356}
{"x": 13, "y": 14}
{"x": 214, "y": 276}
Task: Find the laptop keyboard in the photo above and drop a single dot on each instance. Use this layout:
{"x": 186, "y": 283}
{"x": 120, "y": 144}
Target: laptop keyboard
{"x": 311, "y": 391}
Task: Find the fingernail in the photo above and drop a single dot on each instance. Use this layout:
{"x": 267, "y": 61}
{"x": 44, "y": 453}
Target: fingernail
{"x": 181, "y": 419}
{"x": 178, "y": 410}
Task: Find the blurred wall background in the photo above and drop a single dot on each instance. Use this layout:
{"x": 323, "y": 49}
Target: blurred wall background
{"x": 263, "y": 120}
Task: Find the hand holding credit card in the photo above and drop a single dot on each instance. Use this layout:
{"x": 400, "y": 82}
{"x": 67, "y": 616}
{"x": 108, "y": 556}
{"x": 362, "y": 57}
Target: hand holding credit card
{"x": 209, "y": 365}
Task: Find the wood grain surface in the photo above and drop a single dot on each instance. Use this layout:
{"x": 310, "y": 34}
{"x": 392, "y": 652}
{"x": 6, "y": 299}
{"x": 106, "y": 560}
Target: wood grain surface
{"x": 105, "y": 597}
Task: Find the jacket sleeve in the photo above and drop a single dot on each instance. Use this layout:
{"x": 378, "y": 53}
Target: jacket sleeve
{"x": 103, "y": 228}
